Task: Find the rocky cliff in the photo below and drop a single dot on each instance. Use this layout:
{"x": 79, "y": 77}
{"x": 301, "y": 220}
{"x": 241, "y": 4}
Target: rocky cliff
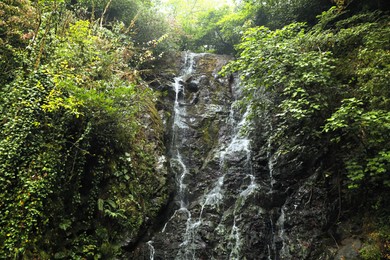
{"x": 237, "y": 194}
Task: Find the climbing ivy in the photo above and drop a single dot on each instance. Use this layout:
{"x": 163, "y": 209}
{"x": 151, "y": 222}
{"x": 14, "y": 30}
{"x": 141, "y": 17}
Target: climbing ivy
{"x": 79, "y": 137}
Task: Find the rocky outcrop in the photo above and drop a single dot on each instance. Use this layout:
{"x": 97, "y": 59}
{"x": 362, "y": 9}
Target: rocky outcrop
{"x": 237, "y": 195}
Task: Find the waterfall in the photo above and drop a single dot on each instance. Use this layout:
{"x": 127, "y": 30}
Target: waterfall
{"x": 271, "y": 161}
{"x": 281, "y": 232}
{"x": 179, "y": 129}
{"x": 235, "y": 145}
{"x": 234, "y": 192}
{"x": 210, "y": 157}
{"x": 177, "y": 162}
{"x": 179, "y": 126}
{"x": 239, "y": 143}
{"x": 151, "y": 249}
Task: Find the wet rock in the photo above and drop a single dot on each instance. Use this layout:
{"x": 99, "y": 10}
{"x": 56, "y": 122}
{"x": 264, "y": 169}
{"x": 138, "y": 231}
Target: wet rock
{"x": 192, "y": 87}
{"x": 349, "y": 249}
{"x": 240, "y": 197}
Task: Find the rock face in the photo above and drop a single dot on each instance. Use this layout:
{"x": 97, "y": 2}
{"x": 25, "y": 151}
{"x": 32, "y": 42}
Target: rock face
{"x": 236, "y": 196}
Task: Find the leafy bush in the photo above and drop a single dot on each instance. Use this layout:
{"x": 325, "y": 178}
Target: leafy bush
{"x": 328, "y": 83}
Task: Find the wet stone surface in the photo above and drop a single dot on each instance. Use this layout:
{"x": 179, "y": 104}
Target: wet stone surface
{"x": 235, "y": 197}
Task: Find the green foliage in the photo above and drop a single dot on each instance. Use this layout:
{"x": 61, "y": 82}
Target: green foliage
{"x": 212, "y": 26}
{"x": 377, "y": 229}
{"x": 275, "y": 60}
{"x": 278, "y": 13}
{"x": 140, "y": 19}
{"x": 78, "y": 140}
{"x": 195, "y": 25}
{"x": 17, "y": 26}
{"x": 106, "y": 11}
{"x": 211, "y": 35}
{"x": 369, "y": 130}
{"x": 363, "y": 117}
{"x": 329, "y": 84}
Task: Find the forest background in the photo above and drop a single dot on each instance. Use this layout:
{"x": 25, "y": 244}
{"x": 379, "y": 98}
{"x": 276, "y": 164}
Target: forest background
{"x": 80, "y": 133}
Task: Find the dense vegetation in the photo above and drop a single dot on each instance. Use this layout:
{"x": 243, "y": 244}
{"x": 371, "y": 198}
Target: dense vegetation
{"x": 80, "y": 135}
{"x": 331, "y": 82}
{"x": 216, "y": 26}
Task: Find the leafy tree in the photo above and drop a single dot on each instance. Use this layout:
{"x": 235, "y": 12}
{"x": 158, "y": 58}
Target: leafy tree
{"x": 211, "y": 36}
{"x": 195, "y": 23}
{"x": 276, "y": 13}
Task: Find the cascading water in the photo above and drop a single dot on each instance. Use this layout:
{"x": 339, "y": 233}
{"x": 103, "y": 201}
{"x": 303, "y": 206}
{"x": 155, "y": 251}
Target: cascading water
{"x": 178, "y": 125}
{"x": 239, "y": 143}
{"x": 235, "y": 196}
{"x": 235, "y": 146}
{"x": 281, "y": 233}
{"x": 211, "y": 159}
{"x": 177, "y": 163}
{"x": 271, "y": 161}
{"x": 151, "y": 249}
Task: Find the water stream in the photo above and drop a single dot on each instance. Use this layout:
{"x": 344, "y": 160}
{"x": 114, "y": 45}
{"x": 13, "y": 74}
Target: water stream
{"x": 177, "y": 162}
{"x": 239, "y": 144}
{"x": 209, "y": 219}
{"x": 152, "y": 251}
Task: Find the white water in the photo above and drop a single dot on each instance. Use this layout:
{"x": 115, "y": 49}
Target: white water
{"x": 235, "y": 235}
{"x": 251, "y": 188}
{"x": 237, "y": 145}
{"x": 214, "y": 197}
{"x": 282, "y": 234}
{"x": 151, "y": 250}
{"x": 239, "y": 142}
{"x": 180, "y": 126}
{"x": 182, "y": 186}
{"x": 271, "y": 162}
